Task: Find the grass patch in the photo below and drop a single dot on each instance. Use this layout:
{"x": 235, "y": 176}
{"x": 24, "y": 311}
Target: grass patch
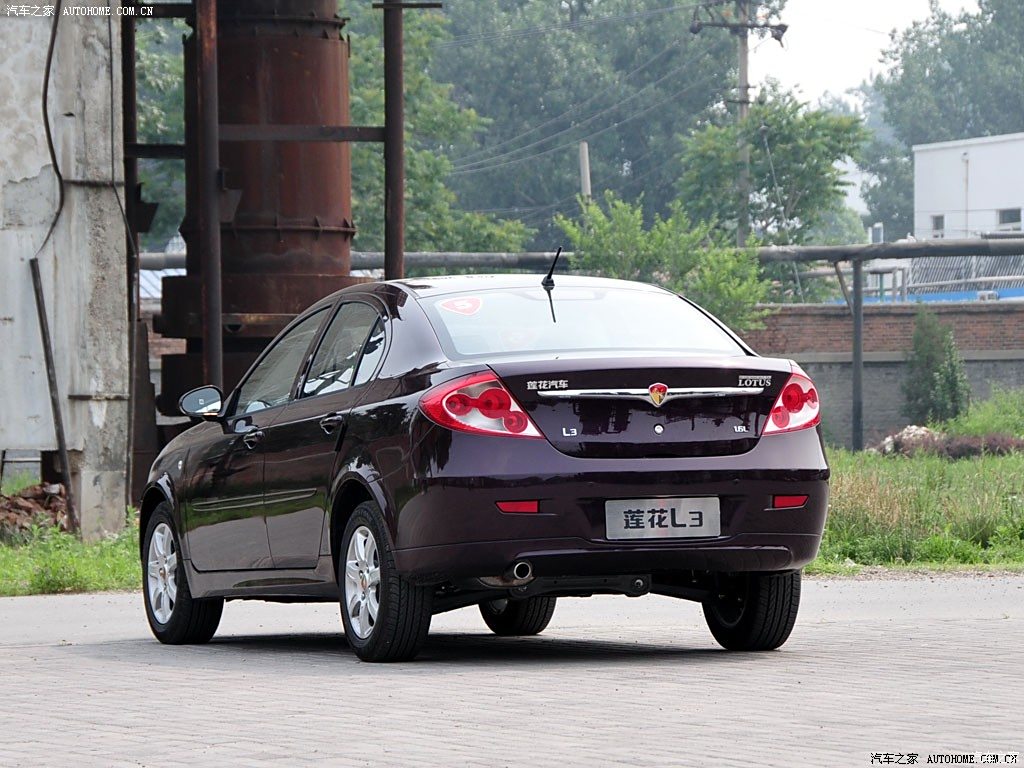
{"x": 896, "y": 511}
{"x": 1001, "y": 414}
{"x": 16, "y": 482}
{"x": 50, "y": 562}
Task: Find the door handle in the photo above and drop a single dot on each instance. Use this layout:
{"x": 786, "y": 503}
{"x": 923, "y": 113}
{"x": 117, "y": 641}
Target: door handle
{"x": 253, "y": 438}
{"x": 331, "y": 422}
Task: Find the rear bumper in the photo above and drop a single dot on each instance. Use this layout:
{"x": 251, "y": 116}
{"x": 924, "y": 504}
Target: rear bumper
{"x": 451, "y": 528}
{"x": 579, "y": 557}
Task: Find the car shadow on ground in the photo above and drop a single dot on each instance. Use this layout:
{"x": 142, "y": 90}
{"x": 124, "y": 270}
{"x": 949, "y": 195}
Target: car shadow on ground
{"x": 454, "y": 648}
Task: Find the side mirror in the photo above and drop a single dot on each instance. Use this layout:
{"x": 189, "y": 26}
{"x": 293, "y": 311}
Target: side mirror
{"x": 203, "y": 403}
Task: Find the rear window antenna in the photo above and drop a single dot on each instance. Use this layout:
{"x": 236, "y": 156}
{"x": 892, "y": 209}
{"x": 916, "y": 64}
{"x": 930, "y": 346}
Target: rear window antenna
{"x": 549, "y": 282}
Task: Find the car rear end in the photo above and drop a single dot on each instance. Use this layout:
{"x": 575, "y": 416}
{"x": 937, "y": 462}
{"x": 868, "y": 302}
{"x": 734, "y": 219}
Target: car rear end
{"x": 611, "y": 437}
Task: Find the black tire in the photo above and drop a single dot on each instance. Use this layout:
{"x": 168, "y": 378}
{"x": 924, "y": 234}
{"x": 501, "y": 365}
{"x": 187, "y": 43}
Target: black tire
{"x": 510, "y": 618}
{"x": 404, "y": 609}
{"x": 753, "y": 611}
{"x": 191, "y": 621}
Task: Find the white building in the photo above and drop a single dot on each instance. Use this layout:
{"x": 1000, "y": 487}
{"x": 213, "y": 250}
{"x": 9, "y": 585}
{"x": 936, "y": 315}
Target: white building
{"x": 969, "y": 187}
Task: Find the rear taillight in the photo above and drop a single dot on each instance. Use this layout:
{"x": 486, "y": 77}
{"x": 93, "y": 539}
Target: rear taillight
{"x": 478, "y": 403}
{"x": 797, "y": 407}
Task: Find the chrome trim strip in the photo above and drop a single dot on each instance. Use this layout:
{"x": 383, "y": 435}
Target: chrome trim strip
{"x": 676, "y": 393}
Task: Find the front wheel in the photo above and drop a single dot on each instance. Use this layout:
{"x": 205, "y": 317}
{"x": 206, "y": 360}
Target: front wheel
{"x": 386, "y": 617}
{"x": 518, "y": 617}
{"x": 175, "y": 617}
{"x": 753, "y": 611}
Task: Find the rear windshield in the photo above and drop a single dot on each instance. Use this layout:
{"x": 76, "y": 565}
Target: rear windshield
{"x": 520, "y": 320}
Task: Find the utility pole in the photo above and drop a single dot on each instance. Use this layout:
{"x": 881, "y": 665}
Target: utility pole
{"x": 741, "y": 27}
{"x": 743, "y": 111}
{"x": 585, "y": 189}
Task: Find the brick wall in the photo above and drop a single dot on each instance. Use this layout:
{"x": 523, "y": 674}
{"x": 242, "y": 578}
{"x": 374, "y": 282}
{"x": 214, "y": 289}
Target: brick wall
{"x": 978, "y": 326}
{"x": 990, "y": 337}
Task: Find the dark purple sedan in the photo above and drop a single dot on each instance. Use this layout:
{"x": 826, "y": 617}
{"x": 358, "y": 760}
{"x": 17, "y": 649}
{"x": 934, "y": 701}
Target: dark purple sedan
{"x": 413, "y": 447}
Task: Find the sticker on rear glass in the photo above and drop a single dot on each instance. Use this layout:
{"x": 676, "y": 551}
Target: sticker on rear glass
{"x": 469, "y": 305}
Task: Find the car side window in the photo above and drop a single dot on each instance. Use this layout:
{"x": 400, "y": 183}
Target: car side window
{"x": 372, "y": 353}
{"x": 270, "y": 383}
{"x": 334, "y": 365}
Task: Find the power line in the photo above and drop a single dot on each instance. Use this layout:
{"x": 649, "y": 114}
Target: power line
{"x": 469, "y": 158}
{"x": 521, "y": 32}
{"x": 489, "y": 163}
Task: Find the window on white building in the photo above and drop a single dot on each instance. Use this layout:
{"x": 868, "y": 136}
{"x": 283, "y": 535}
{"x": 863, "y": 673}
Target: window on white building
{"x": 938, "y": 226}
{"x": 1009, "y": 219}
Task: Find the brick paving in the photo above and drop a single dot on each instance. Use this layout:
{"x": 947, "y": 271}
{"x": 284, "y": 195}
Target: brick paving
{"x": 872, "y": 667}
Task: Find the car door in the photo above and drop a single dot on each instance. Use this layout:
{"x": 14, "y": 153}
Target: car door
{"x": 226, "y": 521}
{"x": 301, "y": 447}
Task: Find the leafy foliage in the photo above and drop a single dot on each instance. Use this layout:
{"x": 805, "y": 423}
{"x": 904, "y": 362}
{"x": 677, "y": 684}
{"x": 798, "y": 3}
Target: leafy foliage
{"x": 614, "y": 241}
{"x": 795, "y": 184}
{"x": 948, "y": 77}
{"x": 936, "y": 386}
{"x": 161, "y": 102}
{"x": 951, "y": 393}
{"x": 626, "y": 75}
{"x": 433, "y": 122}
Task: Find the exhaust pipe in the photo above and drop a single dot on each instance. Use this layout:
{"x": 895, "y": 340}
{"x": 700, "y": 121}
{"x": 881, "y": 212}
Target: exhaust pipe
{"x": 522, "y": 570}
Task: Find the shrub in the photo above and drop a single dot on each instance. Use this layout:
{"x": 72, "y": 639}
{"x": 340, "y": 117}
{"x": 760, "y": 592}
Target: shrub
{"x": 936, "y": 387}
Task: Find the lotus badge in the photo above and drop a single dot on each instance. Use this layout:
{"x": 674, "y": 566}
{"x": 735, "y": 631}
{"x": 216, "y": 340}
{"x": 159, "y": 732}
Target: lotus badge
{"x": 657, "y": 393}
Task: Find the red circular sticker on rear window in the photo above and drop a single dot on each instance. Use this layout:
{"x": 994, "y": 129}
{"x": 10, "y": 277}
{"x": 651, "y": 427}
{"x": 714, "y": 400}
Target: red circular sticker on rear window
{"x": 469, "y": 305}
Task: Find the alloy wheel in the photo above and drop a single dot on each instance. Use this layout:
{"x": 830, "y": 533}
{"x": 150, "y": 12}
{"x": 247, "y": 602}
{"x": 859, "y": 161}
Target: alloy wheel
{"x": 362, "y": 581}
{"x": 162, "y": 573}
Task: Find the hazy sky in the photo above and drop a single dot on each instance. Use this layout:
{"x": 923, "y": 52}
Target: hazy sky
{"x": 833, "y": 45}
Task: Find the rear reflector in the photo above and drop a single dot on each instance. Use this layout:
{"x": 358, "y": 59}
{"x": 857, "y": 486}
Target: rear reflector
{"x": 788, "y": 502}
{"x": 520, "y": 507}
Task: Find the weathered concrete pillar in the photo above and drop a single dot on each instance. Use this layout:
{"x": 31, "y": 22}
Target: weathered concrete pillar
{"x": 83, "y": 265}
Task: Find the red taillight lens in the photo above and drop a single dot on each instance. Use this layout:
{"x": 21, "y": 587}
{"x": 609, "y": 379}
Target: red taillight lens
{"x": 478, "y": 403}
{"x": 796, "y": 407}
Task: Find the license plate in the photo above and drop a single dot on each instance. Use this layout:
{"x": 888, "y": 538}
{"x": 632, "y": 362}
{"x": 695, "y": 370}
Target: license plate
{"x": 685, "y": 518}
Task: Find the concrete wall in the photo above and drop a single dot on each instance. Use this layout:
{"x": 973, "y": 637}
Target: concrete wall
{"x": 83, "y": 265}
{"x": 968, "y": 182}
{"x": 990, "y": 337}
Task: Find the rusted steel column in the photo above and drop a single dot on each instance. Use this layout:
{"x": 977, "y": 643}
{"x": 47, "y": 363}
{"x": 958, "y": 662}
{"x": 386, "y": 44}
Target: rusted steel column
{"x": 284, "y": 219}
{"x": 394, "y": 143}
{"x": 209, "y": 194}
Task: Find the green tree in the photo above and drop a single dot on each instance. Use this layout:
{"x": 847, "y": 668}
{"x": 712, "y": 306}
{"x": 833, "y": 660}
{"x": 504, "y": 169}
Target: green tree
{"x": 935, "y": 387}
{"x": 626, "y": 75}
{"x": 614, "y": 241}
{"x": 951, "y": 76}
{"x": 433, "y": 122}
{"x": 952, "y": 391}
{"x": 161, "y": 99}
{"x": 795, "y": 182}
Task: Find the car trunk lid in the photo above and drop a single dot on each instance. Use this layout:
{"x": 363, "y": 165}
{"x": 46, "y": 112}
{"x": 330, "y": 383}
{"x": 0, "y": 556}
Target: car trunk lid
{"x": 647, "y": 407}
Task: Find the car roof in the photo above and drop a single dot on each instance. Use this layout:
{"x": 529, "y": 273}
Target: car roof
{"x": 439, "y": 286}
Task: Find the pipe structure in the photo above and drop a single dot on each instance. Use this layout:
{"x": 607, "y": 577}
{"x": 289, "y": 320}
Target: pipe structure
{"x": 857, "y": 378}
{"x": 209, "y": 195}
{"x": 394, "y": 143}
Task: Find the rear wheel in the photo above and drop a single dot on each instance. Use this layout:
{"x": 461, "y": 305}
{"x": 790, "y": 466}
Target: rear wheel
{"x": 386, "y": 617}
{"x": 175, "y": 617}
{"x": 518, "y": 617}
{"x": 753, "y": 611}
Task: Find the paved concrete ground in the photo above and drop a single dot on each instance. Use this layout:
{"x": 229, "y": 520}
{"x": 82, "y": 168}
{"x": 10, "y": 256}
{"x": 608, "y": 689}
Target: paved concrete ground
{"x": 898, "y": 666}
